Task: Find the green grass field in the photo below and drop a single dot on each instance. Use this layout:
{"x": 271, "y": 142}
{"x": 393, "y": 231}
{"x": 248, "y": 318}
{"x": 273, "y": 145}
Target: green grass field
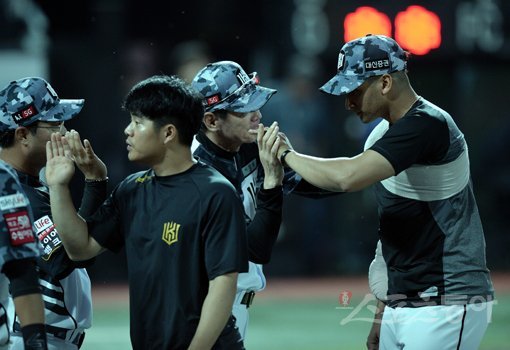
{"x": 288, "y": 315}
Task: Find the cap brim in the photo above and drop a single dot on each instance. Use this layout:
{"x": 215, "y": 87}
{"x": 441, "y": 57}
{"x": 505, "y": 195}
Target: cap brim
{"x": 341, "y": 84}
{"x": 65, "y": 110}
{"x": 257, "y": 99}
{"x": 248, "y": 102}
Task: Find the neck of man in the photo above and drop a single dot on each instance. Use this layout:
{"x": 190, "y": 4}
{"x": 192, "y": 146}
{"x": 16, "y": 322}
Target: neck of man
{"x": 223, "y": 142}
{"x": 402, "y": 104}
{"x": 20, "y": 161}
{"x": 175, "y": 161}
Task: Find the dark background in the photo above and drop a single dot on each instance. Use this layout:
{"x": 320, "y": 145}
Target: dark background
{"x": 97, "y": 49}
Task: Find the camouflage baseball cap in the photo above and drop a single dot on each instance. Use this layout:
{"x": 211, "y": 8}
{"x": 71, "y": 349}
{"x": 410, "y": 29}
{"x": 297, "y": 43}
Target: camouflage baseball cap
{"x": 226, "y": 86}
{"x": 363, "y": 58}
{"x": 27, "y": 100}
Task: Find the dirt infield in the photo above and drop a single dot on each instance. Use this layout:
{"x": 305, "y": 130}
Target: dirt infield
{"x": 105, "y": 294}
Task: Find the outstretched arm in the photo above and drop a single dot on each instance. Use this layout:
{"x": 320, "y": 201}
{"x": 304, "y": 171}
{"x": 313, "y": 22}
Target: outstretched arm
{"x": 337, "y": 174}
{"x": 71, "y": 227}
{"x": 216, "y": 310}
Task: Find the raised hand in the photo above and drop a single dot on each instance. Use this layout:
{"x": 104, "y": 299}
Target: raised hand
{"x": 59, "y": 163}
{"x": 84, "y": 157}
{"x": 268, "y": 146}
{"x": 283, "y": 143}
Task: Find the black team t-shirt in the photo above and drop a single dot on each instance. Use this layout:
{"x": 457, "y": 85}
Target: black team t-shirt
{"x": 179, "y": 232}
{"x": 429, "y": 225}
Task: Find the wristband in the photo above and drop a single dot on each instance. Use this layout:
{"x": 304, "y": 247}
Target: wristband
{"x": 283, "y": 155}
{"x": 99, "y": 180}
{"x": 34, "y": 337}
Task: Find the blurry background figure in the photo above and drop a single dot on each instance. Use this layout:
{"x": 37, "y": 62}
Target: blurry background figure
{"x": 188, "y": 57}
{"x": 140, "y": 60}
{"x": 300, "y": 109}
{"x": 24, "y": 40}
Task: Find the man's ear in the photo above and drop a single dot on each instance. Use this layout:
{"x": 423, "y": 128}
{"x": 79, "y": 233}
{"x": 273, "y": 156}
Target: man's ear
{"x": 210, "y": 121}
{"x": 169, "y": 133}
{"x": 387, "y": 83}
{"x": 21, "y": 135}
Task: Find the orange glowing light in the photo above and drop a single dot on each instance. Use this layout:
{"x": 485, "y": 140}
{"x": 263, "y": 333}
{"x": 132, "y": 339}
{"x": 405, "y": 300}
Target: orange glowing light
{"x": 366, "y": 20}
{"x": 418, "y": 30}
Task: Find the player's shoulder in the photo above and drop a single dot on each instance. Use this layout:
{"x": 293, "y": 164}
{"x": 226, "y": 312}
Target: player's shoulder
{"x": 7, "y": 171}
{"x": 133, "y": 180}
{"x": 425, "y": 108}
{"x": 207, "y": 178}
{"x": 8, "y": 177}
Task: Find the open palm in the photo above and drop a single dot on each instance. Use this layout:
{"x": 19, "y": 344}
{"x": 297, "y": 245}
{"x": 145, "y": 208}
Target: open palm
{"x": 59, "y": 165}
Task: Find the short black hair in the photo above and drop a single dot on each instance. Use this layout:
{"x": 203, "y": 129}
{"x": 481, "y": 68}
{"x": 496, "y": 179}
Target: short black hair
{"x": 7, "y": 137}
{"x": 167, "y": 100}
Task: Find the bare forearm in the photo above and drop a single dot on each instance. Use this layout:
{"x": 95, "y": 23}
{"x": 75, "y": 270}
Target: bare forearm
{"x": 30, "y": 309}
{"x": 70, "y": 226}
{"x": 216, "y": 310}
{"x": 271, "y": 182}
{"x": 375, "y": 331}
{"x": 379, "y": 310}
{"x": 328, "y": 174}
{"x": 341, "y": 174}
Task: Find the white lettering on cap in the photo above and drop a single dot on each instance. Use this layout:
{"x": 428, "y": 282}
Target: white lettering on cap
{"x": 341, "y": 60}
{"x": 51, "y": 91}
{"x": 243, "y": 77}
{"x": 377, "y": 64}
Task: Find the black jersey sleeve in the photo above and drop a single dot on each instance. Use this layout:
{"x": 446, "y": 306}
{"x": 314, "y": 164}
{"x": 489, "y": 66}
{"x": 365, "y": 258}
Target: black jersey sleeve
{"x": 414, "y": 139}
{"x": 94, "y": 194}
{"x": 225, "y": 234}
{"x": 105, "y": 224}
{"x": 263, "y": 229}
{"x": 22, "y": 274}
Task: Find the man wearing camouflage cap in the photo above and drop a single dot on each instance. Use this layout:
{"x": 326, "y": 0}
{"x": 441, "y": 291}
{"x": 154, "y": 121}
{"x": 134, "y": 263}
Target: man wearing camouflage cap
{"x": 439, "y": 288}
{"x": 19, "y": 250}
{"x": 233, "y": 141}
{"x": 226, "y": 141}
{"x": 30, "y": 111}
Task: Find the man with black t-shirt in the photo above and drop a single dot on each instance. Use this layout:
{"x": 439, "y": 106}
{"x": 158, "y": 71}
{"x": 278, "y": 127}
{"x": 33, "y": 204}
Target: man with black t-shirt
{"x": 181, "y": 223}
{"x": 439, "y": 289}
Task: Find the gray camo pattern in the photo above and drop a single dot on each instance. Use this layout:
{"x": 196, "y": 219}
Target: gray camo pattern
{"x": 9, "y": 185}
{"x": 20, "y": 94}
{"x": 220, "y": 78}
{"x": 353, "y": 72}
